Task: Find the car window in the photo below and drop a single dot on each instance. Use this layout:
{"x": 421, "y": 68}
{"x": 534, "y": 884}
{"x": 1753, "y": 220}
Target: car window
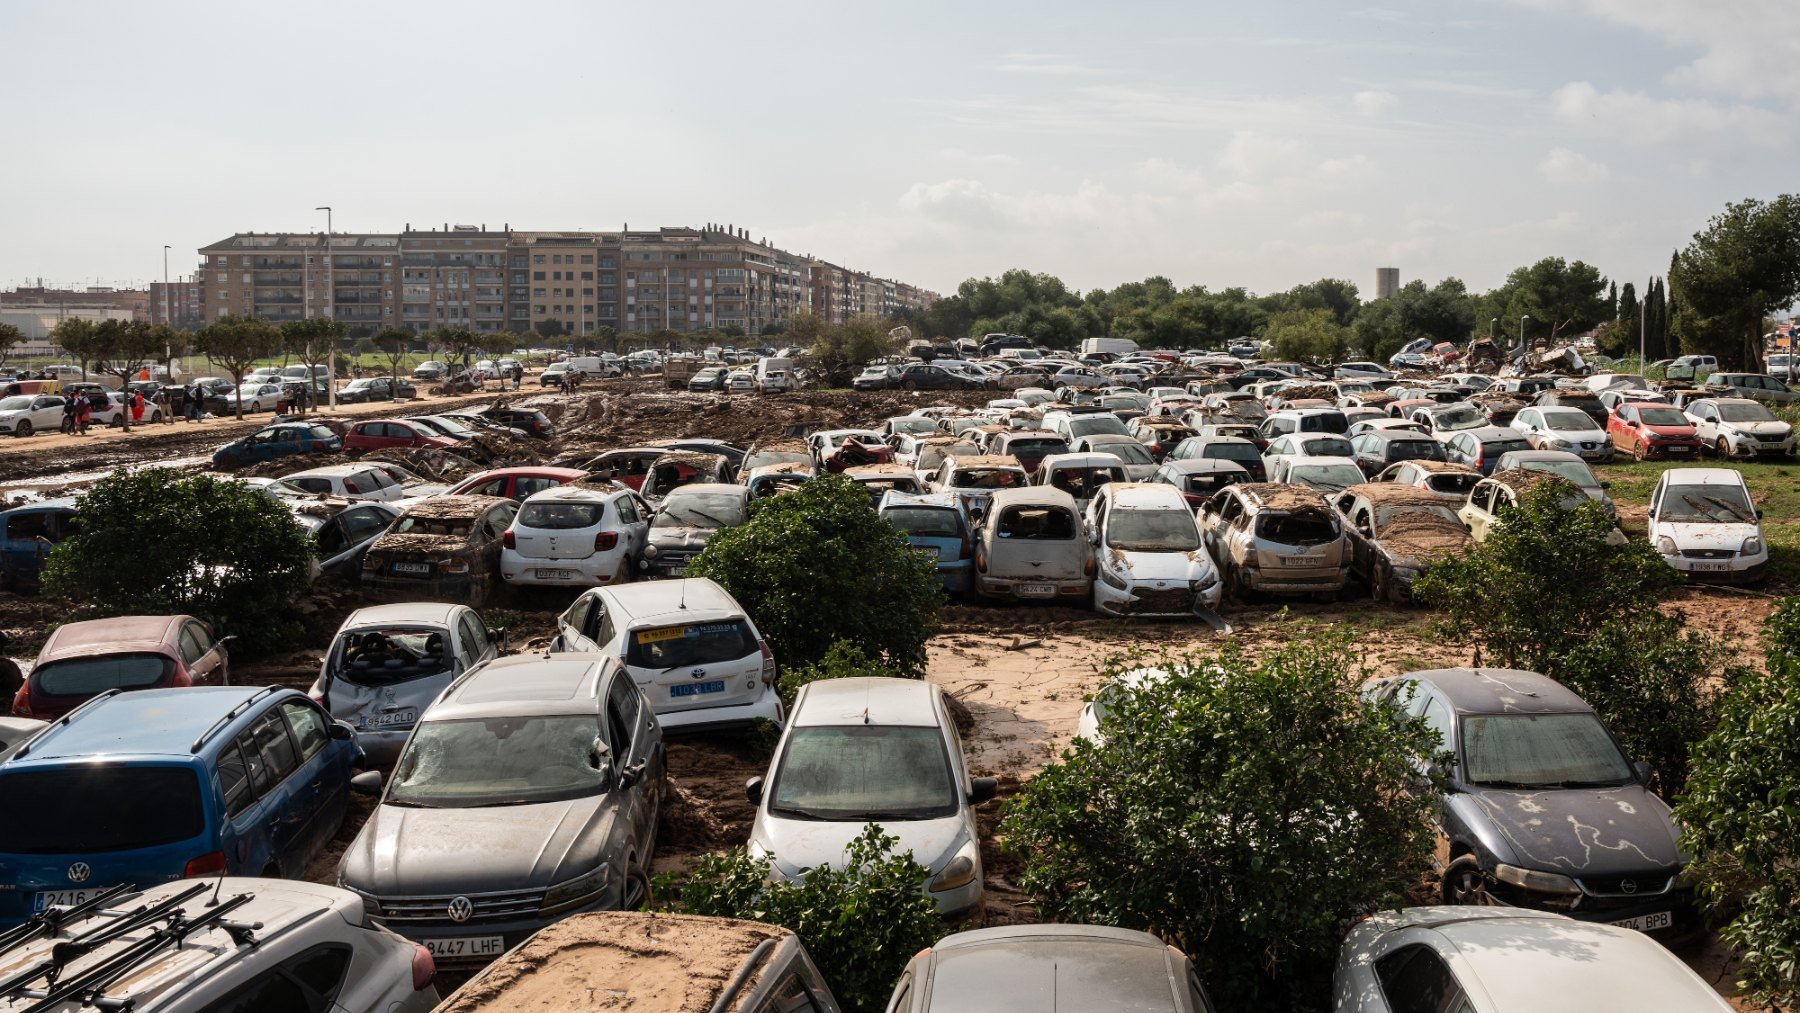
{"x": 578, "y": 615}
{"x": 1416, "y": 980}
{"x": 191, "y": 649}
{"x": 790, "y": 996}
{"x": 308, "y": 726}
{"x": 271, "y": 992}
{"x": 268, "y": 751}
{"x": 1438, "y": 719}
{"x": 234, "y": 780}
{"x": 465, "y": 633}
{"x": 621, "y": 714}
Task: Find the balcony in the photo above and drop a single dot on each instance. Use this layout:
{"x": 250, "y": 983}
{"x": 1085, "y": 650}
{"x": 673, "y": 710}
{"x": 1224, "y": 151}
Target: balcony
{"x": 276, "y": 300}
{"x": 283, "y": 278}
{"x": 276, "y": 263}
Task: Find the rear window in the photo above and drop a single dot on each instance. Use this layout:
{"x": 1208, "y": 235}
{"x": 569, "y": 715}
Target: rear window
{"x": 669, "y": 647}
{"x": 320, "y": 433}
{"x": 88, "y": 676}
{"x": 1411, "y": 450}
{"x": 560, "y": 516}
{"x": 448, "y": 527}
{"x": 1324, "y": 422}
{"x": 121, "y": 808}
{"x": 926, "y": 522}
{"x": 1494, "y": 448}
{"x": 379, "y": 657}
{"x": 1037, "y": 523}
{"x": 1457, "y": 483}
{"x": 1296, "y": 529}
{"x": 1232, "y": 452}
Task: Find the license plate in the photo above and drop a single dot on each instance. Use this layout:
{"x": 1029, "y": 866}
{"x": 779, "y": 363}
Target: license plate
{"x": 543, "y": 574}
{"x": 1680, "y": 450}
{"x": 1707, "y": 566}
{"x": 696, "y": 688}
{"x": 1302, "y": 560}
{"x": 1647, "y": 923}
{"x": 413, "y": 568}
{"x": 929, "y": 551}
{"x": 396, "y": 719}
{"x": 677, "y": 571}
{"x": 468, "y": 946}
{"x": 1038, "y": 590}
{"x": 66, "y": 898}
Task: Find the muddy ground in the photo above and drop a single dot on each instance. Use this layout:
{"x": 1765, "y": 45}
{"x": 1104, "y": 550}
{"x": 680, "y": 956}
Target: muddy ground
{"x": 1021, "y": 672}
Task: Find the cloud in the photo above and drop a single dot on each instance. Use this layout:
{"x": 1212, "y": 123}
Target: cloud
{"x": 1637, "y": 118}
{"x": 1250, "y": 154}
{"x": 1566, "y": 168}
{"x": 1049, "y": 64}
{"x": 1370, "y": 103}
{"x": 973, "y": 158}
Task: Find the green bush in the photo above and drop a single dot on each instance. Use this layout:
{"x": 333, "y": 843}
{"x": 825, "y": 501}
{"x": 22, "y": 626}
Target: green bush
{"x": 1741, "y": 816}
{"x": 1546, "y": 592}
{"x": 158, "y": 541}
{"x": 842, "y": 660}
{"x": 861, "y": 923}
{"x": 1244, "y": 810}
{"x": 817, "y": 566}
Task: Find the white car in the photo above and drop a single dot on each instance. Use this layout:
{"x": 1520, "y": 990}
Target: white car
{"x": 253, "y": 397}
{"x": 1148, "y": 556}
{"x": 1567, "y": 429}
{"x": 576, "y": 536}
{"x": 740, "y": 382}
{"x": 349, "y": 481}
{"x": 1509, "y": 960}
{"x": 24, "y": 414}
{"x": 688, "y": 645}
{"x": 1735, "y": 427}
{"x": 1704, "y": 524}
{"x": 1087, "y": 726}
{"x": 1326, "y": 474}
{"x": 1305, "y": 445}
{"x": 867, "y": 750}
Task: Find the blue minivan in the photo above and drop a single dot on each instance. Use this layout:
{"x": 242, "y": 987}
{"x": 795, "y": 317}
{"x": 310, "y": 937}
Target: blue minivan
{"x": 152, "y": 786}
{"x": 27, "y": 534}
{"x": 935, "y": 524}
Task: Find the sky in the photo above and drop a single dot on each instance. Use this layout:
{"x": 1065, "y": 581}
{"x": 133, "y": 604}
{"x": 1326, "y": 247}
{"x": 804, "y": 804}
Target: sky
{"x": 1255, "y": 145}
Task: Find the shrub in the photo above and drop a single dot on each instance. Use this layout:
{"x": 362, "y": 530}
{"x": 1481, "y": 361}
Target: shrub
{"x": 842, "y": 660}
{"x": 158, "y": 542}
{"x": 1244, "y": 810}
{"x": 1741, "y": 816}
{"x": 817, "y": 566}
{"x": 861, "y": 923}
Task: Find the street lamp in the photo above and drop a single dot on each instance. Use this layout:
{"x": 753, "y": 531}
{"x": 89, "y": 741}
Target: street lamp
{"x": 1522, "y": 331}
{"x": 330, "y": 314}
{"x": 168, "y": 353}
{"x": 1492, "y": 324}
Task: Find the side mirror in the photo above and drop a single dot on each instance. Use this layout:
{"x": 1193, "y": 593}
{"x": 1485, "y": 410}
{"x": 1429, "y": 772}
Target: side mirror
{"x": 498, "y": 635}
{"x": 366, "y": 783}
{"x": 341, "y": 731}
{"x": 1093, "y": 536}
{"x": 982, "y": 789}
{"x": 1643, "y": 770}
{"x": 753, "y": 790}
{"x": 1759, "y": 514}
{"x": 1606, "y": 485}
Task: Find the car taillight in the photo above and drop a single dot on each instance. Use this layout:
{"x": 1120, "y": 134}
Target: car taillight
{"x": 21, "y": 705}
{"x": 210, "y": 864}
{"x": 423, "y": 968}
{"x": 1087, "y": 568}
{"x": 980, "y": 561}
{"x": 768, "y": 662}
{"x": 454, "y": 566}
{"x": 181, "y": 677}
{"x": 507, "y": 540}
{"x": 350, "y": 487}
{"x": 606, "y": 541}
{"x": 963, "y": 553}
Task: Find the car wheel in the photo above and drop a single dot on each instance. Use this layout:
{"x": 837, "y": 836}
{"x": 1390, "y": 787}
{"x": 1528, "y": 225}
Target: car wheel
{"x": 1463, "y": 883}
{"x": 1724, "y": 448}
{"x": 1637, "y": 451}
{"x": 23, "y": 428}
{"x": 227, "y": 461}
{"x": 909, "y": 385}
{"x": 636, "y": 893}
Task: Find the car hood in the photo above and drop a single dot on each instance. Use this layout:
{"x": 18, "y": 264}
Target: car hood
{"x": 1158, "y": 566}
{"x": 421, "y": 852}
{"x": 680, "y": 538}
{"x": 796, "y": 845}
{"x": 1579, "y": 831}
{"x": 1773, "y": 427}
{"x": 1691, "y": 535}
{"x": 1672, "y": 432}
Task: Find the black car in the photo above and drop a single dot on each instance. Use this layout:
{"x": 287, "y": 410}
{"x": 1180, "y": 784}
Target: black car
{"x": 530, "y": 420}
{"x": 710, "y": 378}
{"x": 925, "y": 376}
{"x": 1541, "y": 808}
{"x": 1377, "y": 449}
{"x": 374, "y": 388}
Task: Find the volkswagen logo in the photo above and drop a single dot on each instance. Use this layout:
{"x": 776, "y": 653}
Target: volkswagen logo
{"x": 79, "y": 872}
{"x": 461, "y": 910}
{"x": 1628, "y": 885}
{"x": 698, "y": 673}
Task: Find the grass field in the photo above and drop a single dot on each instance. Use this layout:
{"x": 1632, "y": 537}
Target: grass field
{"x": 1774, "y": 485}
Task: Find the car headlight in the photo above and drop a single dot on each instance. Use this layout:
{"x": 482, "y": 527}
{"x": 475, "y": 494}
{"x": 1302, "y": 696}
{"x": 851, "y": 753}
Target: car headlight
{"x": 959, "y": 872}
{"x": 572, "y": 892}
{"x": 1557, "y": 443}
{"x": 1752, "y": 545}
{"x": 1112, "y": 579}
{"x": 1666, "y": 546}
{"x": 1206, "y": 582}
{"x": 1407, "y": 574}
{"x": 1535, "y": 881}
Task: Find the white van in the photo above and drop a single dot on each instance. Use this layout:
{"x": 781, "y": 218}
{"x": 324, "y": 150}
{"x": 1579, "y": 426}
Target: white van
{"x": 774, "y": 376}
{"x": 588, "y": 365}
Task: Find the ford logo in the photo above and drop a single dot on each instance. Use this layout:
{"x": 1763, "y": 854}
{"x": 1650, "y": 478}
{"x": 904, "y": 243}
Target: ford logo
{"x": 79, "y": 872}
{"x": 461, "y": 909}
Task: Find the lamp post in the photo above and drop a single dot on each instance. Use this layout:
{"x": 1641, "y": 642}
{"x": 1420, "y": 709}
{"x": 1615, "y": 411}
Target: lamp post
{"x": 1492, "y": 324}
{"x": 168, "y": 318}
{"x": 1522, "y": 331}
{"x": 330, "y": 314}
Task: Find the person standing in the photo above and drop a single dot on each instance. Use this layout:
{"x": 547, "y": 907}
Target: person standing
{"x": 84, "y": 410}
{"x": 195, "y": 397}
{"x": 69, "y": 414}
{"x": 136, "y": 397}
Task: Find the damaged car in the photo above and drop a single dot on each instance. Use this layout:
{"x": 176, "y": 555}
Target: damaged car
{"x": 1149, "y": 560}
{"x": 881, "y": 479}
{"x": 679, "y": 468}
{"x": 1282, "y": 539}
{"x": 445, "y": 548}
{"x": 686, "y": 520}
{"x": 1704, "y": 523}
{"x": 1396, "y": 533}
{"x": 1030, "y": 545}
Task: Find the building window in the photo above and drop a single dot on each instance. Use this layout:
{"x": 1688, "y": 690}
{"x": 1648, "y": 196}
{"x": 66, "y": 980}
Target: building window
{"x": 607, "y": 262}
{"x": 587, "y": 258}
{"x": 537, "y": 258}
{"x": 537, "y": 276}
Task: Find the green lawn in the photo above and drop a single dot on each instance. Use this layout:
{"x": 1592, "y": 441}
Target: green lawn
{"x": 1774, "y": 485}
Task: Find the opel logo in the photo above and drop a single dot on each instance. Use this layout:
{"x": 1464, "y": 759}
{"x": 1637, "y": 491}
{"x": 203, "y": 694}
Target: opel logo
{"x": 698, "y": 673}
{"x": 1628, "y": 885}
{"x": 79, "y": 872}
{"x": 461, "y": 910}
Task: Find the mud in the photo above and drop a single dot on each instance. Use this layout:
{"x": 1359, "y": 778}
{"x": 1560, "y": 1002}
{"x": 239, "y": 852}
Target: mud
{"x": 1279, "y": 496}
{"x": 1423, "y": 536}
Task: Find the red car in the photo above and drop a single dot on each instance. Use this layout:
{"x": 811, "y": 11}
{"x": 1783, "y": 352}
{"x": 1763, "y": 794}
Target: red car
{"x": 385, "y": 434}
{"x": 1404, "y": 408}
{"x": 514, "y": 483}
{"x": 1646, "y": 430}
{"x": 82, "y": 660}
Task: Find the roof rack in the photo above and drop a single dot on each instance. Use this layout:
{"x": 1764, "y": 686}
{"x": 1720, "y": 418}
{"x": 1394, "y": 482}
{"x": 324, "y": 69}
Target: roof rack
{"x": 64, "y": 720}
{"x": 230, "y": 716}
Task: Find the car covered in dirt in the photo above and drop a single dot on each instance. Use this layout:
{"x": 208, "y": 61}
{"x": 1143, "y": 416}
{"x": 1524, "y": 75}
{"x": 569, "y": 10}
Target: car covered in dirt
{"x": 81, "y": 660}
{"x": 341, "y": 529}
{"x": 934, "y": 524}
{"x": 881, "y": 479}
{"x": 1148, "y": 556}
{"x": 389, "y": 434}
{"x": 1080, "y": 475}
{"x": 360, "y": 481}
{"x": 443, "y": 548}
{"x": 1491, "y": 497}
{"x": 28, "y": 533}
{"x": 577, "y": 535}
{"x": 1281, "y": 539}
{"x": 1396, "y": 533}
{"x": 975, "y": 479}
{"x": 388, "y": 662}
{"x": 1704, "y": 523}
{"x": 1029, "y": 968}
{"x": 515, "y": 483}
{"x": 775, "y": 479}
{"x": 677, "y": 468}
{"x": 1030, "y": 545}
{"x": 686, "y": 520}
{"x": 1448, "y": 482}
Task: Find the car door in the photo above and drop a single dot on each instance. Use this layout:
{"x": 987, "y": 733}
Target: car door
{"x": 629, "y": 733}
{"x": 1620, "y": 425}
{"x": 271, "y": 759}
{"x": 1702, "y": 418}
{"x": 573, "y": 625}
{"x": 203, "y": 655}
{"x": 473, "y": 646}
{"x": 633, "y": 524}
{"x": 320, "y": 789}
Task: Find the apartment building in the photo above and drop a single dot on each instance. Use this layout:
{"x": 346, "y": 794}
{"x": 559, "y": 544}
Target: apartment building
{"x": 837, "y": 294}
{"x": 178, "y": 304}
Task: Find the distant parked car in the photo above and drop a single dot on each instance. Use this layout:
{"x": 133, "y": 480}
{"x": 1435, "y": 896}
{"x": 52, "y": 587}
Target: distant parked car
{"x": 1239, "y": 451}
{"x": 1284, "y": 539}
{"x": 1563, "y": 465}
{"x": 24, "y": 414}
{"x": 1149, "y": 560}
{"x": 375, "y": 388}
{"x": 1492, "y": 496}
{"x": 1481, "y": 447}
{"x": 1030, "y": 544}
{"x": 555, "y": 766}
{"x": 1449, "y": 482}
{"x": 576, "y": 536}
{"x": 388, "y": 662}
{"x": 864, "y": 750}
{"x": 935, "y": 524}
{"x": 1198, "y": 478}
{"x": 430, "y": 370}
{"x": 441, "y": 548}
{"x": 876, "y": 378}
{"x": 1704, "y": 523}
{"x": 515, "y": 483}
{"x": 81, "y": 660}
{"x": 362, "y": 481}
{"x": 1567, "y": 429}
{"x": 1739, "y": 427}
{"x": 712, "y": 378}
{"x": 1376, "y": 449}
{"x": 249, "y": 396}
{"x": 285, "y": 439}
{"x": 172, "y": 784}
{"x": 28, "y": 533}
{"x": 1759, "y": 386}
{"x": 1648, "y": 430}
{"x": 388, "y": 434}
{"x": 1326, "y": 474}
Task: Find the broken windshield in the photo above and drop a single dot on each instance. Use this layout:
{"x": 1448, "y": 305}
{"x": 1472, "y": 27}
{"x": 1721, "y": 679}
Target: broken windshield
{"x": 1707, "y": 504}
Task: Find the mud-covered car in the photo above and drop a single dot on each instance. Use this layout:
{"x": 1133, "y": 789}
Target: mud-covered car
{"x": 1396, "y": 533}
{"x": 1030, "y": 544}
{"x": 975, "y": 479}
{"x": 445, "y": 548}
{"x": 686, "y": 520}
{"x": 1543, "y": 809}
{"x": 675, "y": 469}
{"x": 1284, "y": 539}
{"x": 880, "y": 479}
{"x": 1448, "y": 482}
{"x": 1149, "y": 560}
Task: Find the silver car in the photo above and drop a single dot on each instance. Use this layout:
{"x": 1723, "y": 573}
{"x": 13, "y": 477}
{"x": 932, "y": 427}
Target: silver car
{"x": 1276, "y": 538}
{"x": 388, "y": 663}
{"x": 1028, "y": 968}
{"x": 527, "y": 792}
{"x": 860, "y": 751}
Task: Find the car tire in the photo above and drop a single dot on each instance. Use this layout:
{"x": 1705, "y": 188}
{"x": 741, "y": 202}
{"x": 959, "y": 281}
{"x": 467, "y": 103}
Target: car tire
{"x": 229, "y": 462}
{"x": 23, "y": 429}
{"x": 909, "y": 385}
{"x": 1464, "y": 883}
{"x": 635, "y": 894}
{"x": 1378, "y": 584}
{"x": 1724, "y": 449}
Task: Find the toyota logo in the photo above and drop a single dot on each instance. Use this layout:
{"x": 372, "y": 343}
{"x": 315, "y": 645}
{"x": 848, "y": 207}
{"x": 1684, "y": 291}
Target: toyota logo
{"x": 79, "y": 872}
{"x": 461, "y": 909}
{"x": 1628, "y": 885}
{"x": 698, "y": 673}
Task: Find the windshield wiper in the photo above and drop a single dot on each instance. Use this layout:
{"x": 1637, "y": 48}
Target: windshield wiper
{"x": 880, "y": 817}
{"x": 504, "y": 802}
{"x": 1513, "y": 784}
{"x": 406, "y": 803}
{"x": 804, "y": 814}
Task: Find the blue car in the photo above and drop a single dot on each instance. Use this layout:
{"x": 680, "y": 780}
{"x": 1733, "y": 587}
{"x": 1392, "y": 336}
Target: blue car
{"x": 160, "y": 784}
{"x": 283, "y": 439}
{"x": 27, "y": 534}
{"x": 935, "y": 524}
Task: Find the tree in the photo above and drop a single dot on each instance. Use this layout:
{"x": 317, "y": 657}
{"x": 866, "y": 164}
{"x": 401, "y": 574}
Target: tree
{"x": 550, "y": 328}
{"x": 1443, "y": 312}
{"x": 159, "y": 541}
{"x": 1245, "y": 810}
{"x": 1741, "y": 816}
{"x": 816, "y": 566}
{"x": 10, "y": 337}
{"x": 842, "y": 349}
{"x": 1743, "y": 267}
{"x": 76, "y": 337}
{"x": 458, "y": 345}
{"x": 1308, "y": 336}
{"x": 497, "y": 343}
{"x": 311, "y": 341}
{"x": 395, "y": 344}
{"x": 860, "y": 922}
{"x": 125, "y": 348}
{"x": 234, "y": 343}
{"x": 606, "y": 338}
{"x": 1334, "y": 294}
{"x": 1558, "y": 295}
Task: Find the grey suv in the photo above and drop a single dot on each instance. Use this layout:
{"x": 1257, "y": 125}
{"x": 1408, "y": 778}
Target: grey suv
{"x": 527, "y": 792}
